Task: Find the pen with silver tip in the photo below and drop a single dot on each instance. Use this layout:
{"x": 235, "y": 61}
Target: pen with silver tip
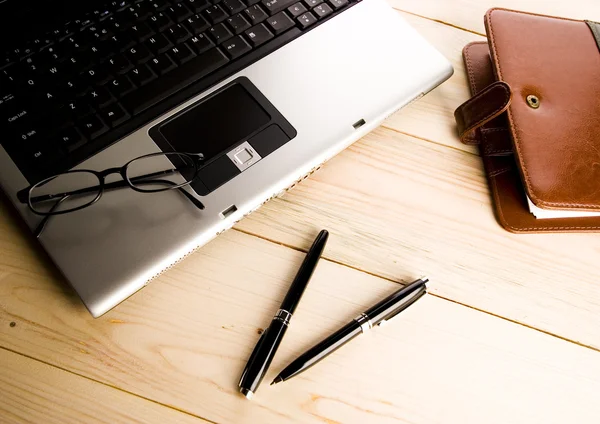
{"x": 377, "y": 315}
{"x": 267, "y": 345}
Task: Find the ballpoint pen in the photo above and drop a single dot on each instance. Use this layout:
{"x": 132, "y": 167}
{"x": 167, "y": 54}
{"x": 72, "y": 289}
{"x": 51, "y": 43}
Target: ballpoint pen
{"x": 267, "y": 345}
{"x": 377, "y": 315}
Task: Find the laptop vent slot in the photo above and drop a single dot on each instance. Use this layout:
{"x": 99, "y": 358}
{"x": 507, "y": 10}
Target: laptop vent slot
{"x": 359, "y": 124}
{"x": 231, "y": 209}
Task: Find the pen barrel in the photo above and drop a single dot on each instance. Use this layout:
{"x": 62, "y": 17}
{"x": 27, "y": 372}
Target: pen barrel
{"x": 391, "y": 304}
{"x": 321, "y": 350}
{"x": 261, "y": 357}
{"x": 291, "y": 300}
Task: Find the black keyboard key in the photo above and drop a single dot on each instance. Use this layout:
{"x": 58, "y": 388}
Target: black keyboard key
{"x": 201, "y": 43}
{"x": 251, "y": 2}
{"x": 280, "y": 22}
{"x": 322, "y": 11}
{"x": 92, "y": 126}
{"x": 182, "y": 53}
{"x": 118, "y": 64}
{"x": 338, "y": 4}
{"x": 198, "y": 5}
{"x": 72, "y": 86}
{"x": 97, "y": 53}
{"x": 220, "y": 33}
{"x": 197, "y": 24}
{"x": 238, "y": 23}
{"x": 115, "y": 23}
{"x": 160, "y": 21}
{"x": 162, "y": 64}
{"x": 77, "y": 108}
{"x": 70, "y": 138}
{"x": 139, "y": 11}
{"x": 141, "y": 75}
{"x": 179, "y": 12}
{"x": 75, "y": 42}
{"x": 297, "y": 9}
{"x": 215, "y": 14}
{"x": 14, "y": 118}
{"x": 78, "y": 63}
{"x": 53, "y": 72}
{"x": 120, "y": 86}
{"x": 140, "y": 32}
{"x": 158, "y": 43}
{"x": 29, "y": 135}
{"x": 255, "y": 14}
{"x": 114, "y": 115}
{"x": 306, "y": 20}
{"x": 312, "y": 3}
{"x": 158, "y": 6}
{"x": 97, "y": 33}
{"x": 233, "y": 6}
{"x": 274, "y": 6}
{"x": 178, "y": 34}
{"x": 139, "y": 54}
{"x": 6, "y": 59}
{"x": 99, "y": 96}
{"x": 236, "y": 47}
{"x": 50, "y": 98}
{"x": 197, "y": 68}
{"x": 41, "y": 157}
{"x": 258, "y": 35}
{"x": 9, "y": 100}
{"x": 52, "y": 54}
{"x": 95, "y": 75}
{"x": 119, "y": 43}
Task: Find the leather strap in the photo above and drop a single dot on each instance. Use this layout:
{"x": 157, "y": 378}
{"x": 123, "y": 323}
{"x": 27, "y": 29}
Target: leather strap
{"x": 480, "y": 109}
{"x": 595, "y": 27}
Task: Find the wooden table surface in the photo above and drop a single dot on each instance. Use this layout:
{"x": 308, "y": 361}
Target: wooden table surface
{"x": 510, "y": 332}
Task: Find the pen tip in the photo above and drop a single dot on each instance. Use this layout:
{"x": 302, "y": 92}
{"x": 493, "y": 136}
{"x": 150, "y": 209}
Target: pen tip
{"x": 277, "y": 380}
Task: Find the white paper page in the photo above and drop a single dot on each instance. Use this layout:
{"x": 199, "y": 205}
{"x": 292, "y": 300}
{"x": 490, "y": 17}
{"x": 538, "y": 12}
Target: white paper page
{"x": 547, "y": 214}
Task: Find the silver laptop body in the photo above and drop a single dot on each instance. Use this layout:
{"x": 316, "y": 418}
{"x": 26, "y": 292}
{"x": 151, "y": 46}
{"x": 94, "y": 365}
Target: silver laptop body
{"x": 333, "y": 85}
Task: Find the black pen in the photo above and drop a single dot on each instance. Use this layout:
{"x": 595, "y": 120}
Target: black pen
{"x": 267, "y": 345}
{"x": 377, "y": 315}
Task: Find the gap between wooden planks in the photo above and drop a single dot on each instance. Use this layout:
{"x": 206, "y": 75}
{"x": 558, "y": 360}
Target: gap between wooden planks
{"x": 34, "y": 392}
{"x": 184, "y": 339}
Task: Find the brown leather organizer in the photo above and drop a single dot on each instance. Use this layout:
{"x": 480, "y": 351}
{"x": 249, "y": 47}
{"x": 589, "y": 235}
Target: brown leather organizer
{"x": 535, "y": 115}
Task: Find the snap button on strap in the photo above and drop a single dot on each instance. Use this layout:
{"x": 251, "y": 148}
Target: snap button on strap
{"x": 480, "y": 109}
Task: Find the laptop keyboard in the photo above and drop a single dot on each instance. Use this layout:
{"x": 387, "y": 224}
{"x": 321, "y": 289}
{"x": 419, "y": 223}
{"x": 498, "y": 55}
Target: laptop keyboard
{"x": 74, "y": 90}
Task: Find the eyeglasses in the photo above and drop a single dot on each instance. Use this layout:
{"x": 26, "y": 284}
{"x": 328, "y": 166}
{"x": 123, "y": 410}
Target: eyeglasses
{"x": 78, "y": 189}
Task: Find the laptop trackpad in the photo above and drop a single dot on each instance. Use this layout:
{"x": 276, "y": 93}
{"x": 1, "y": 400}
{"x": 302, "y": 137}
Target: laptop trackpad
{"x": 234, "y": 128}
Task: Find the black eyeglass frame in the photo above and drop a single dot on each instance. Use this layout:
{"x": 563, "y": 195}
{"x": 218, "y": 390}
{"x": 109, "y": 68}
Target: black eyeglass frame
{"x": 195, "y": 159}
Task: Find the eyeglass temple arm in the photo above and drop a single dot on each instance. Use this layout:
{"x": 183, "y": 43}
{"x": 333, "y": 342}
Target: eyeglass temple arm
{"x": 40, "y": 228}
{"x": 109, "y": 186}
{"x": 118, "y": 184}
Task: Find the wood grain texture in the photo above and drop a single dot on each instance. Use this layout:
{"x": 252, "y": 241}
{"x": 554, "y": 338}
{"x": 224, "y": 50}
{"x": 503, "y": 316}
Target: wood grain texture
{"x": 468, "y": 14}
{"x": 33, "y": 392}
{"x": 183, "y": 341}
{"x": 397, "y": 206}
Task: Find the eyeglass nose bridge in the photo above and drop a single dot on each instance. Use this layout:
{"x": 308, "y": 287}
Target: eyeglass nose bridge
{"x": 111, "y": 171}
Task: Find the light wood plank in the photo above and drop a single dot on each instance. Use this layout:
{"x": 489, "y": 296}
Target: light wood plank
{"x": 33, "y": 392}
{"x": 183, "y": 341}
{"x": 399, "y": 206}
{"x": 432, "y": 117}
{"x": 469, "y": 14}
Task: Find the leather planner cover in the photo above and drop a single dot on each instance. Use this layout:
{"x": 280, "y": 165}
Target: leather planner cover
{"x": 535, "y": 114}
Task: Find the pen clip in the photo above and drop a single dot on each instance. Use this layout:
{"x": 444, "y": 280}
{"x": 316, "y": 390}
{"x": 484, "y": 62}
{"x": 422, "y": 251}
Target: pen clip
{"x": 415, "y": 296}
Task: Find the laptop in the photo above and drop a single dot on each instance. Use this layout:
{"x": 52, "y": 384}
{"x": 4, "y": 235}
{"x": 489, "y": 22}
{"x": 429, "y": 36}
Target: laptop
{"x": 263, "y": 92}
